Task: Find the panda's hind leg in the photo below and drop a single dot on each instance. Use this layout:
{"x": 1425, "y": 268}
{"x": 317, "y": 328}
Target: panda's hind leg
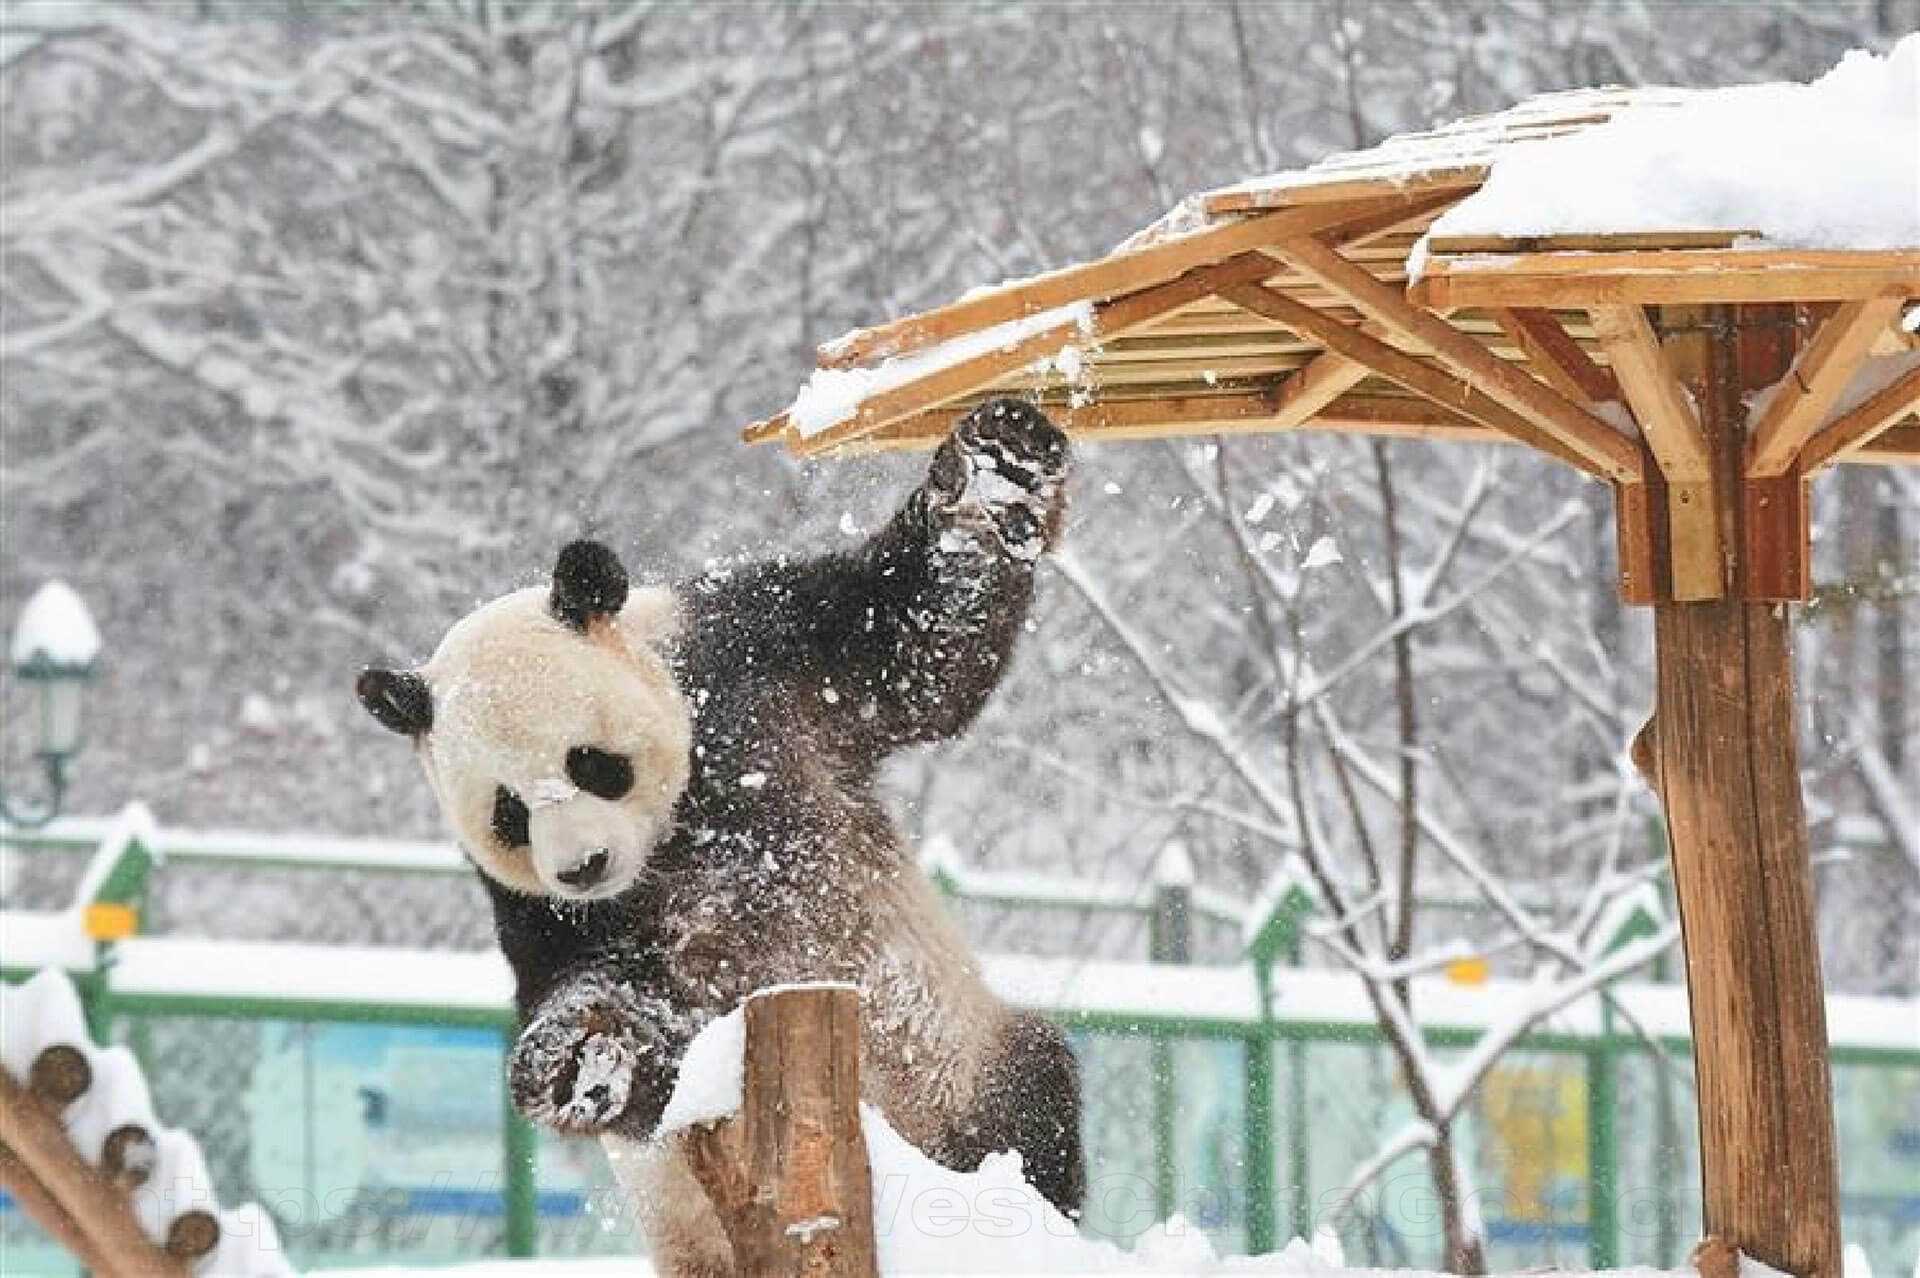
{"x": 684, "y": 1236}
{"x": 1027, "y": 1099}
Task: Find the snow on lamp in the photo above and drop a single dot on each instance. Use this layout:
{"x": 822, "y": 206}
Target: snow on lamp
{"x": 54, "y": 649}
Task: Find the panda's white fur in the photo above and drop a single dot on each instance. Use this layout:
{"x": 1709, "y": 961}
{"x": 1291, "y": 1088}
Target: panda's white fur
{"x": 750, "y": 849}
{"x": 514, "y": 688}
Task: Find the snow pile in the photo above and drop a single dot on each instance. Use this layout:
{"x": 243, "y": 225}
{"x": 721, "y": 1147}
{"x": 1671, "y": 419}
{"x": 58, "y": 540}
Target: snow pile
{"x": 931, "y": 1219}
{"x": 44, "y": 1012}
{"x": 55, "y": 626}
{"x": 1834, "y": 164}
{"x": 832, "y": 395}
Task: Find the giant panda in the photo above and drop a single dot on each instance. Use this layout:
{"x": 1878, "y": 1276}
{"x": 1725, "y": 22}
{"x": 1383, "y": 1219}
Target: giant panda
{"x": 669, "y": 793}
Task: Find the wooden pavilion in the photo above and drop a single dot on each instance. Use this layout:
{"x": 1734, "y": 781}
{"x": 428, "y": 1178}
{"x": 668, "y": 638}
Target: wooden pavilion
{"x": 1318, "y": 300}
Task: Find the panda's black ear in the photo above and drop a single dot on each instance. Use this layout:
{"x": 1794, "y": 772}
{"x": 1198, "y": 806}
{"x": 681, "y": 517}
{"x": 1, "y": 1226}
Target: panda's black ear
{"x": 588, "y": 582}
{"x": 399, "y": 699}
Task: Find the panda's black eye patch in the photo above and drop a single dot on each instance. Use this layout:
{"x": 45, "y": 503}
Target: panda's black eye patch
{"x": 603, "y": 775}
{"x": 509, "y": 818}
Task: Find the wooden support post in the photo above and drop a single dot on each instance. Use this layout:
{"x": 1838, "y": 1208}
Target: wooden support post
{"x": 789, "y": 1177}
{"x": 1724, "y": 752}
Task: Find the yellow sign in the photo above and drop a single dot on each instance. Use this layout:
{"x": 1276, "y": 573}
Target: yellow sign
{"x": 1468, "y": 971}
{"x": 110, "y": 921}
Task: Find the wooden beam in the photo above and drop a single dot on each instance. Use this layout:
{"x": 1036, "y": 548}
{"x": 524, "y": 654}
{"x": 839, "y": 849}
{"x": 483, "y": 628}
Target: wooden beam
{"x": 1573, "y": 427}
{"x": 1671, "y": 276}
{"x": 1724, "y": 746}
{"x": 1442, "y": 388}
{"x": 106, "y": 1216}
{"x": 1895, "y": 446}
{"x": 1843, "y": 438}
{"x": 1109, "y": 319}
{"x": 789, "y": 1177}
{"x": 1184, "y": 416}
{"x": 1697, "y": 563}
{"x": 1555, "y": 355}
{"x": 1659, "y": 402}
{"x": 1802, "y": 399}
{"x": 1105, "y": 277}
{"x": 1308, "y": 391}
{"x": 1618, "y": 242}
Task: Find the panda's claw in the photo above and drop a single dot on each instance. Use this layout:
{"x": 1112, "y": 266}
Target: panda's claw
{"x": 584, "y": 1063}
{"x": 1000, "y": 474}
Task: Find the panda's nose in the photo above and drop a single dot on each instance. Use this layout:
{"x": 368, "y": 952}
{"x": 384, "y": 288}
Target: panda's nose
{"x": 590, "y": 871}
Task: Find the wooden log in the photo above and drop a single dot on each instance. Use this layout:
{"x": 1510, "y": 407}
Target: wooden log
{"x": 128, "y": 1156}
{"x": 59, "y": 1075}
{"x": 1725, "y": 754}
{"x": 97, "y": 1209}
{"x": 45, "y": 1211}
{"x": 789, "y": 1177}
{"x": 192, "y": 1234}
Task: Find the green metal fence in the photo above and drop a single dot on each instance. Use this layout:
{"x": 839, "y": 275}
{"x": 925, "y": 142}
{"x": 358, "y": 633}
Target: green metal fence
{"x": 356, "y": 1093}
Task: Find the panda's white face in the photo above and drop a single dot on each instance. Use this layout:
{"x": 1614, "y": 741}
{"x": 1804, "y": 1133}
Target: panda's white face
{"x": 557, "y": 753}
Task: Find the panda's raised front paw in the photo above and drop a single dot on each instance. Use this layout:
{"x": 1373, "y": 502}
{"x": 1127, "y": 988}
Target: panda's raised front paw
{"x": 1001, "y": 471}
{"x": 592, "y": 1059}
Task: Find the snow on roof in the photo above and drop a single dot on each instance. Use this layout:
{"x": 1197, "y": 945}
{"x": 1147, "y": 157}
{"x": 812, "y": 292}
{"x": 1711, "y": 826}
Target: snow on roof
{"x": 832, "y": 395}
{"x": 56, "y": 627}
{"x": 1834, "y": 164}
{"x": 1628, "y": 174}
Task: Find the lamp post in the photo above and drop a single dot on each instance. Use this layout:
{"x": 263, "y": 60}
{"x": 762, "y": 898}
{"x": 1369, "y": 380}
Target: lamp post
{"x": 54, "y": 649}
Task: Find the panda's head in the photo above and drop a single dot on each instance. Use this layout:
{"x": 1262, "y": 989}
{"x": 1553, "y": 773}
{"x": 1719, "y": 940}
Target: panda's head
{"x": 552, "y": 730}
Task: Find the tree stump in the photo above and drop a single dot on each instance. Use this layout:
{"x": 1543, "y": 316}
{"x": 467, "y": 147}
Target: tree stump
{"x": 789, "y": 1177}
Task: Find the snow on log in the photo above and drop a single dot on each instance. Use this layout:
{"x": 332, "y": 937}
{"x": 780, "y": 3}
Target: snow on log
{"x": 82, "y": 1153}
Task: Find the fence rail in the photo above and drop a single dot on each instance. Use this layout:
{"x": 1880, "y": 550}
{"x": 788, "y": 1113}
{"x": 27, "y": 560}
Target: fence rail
{"x": 1238, "y": 1094}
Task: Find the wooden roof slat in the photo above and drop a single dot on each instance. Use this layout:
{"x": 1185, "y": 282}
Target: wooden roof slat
{"x": 1120, "y": 273}
{"x": 1660, "y": 404}
{"x": 1457, "y": 154}
{"x": 1098, "y": 375}
{"x": 1544, "y": 342}
{"x": 1804, "y": 397}
{"x": 1572, "y": 426}
{"x": 1665, "y": 276}
{"x": 1109, "y": 319}
{"x": 1848, "y": 435}
{"x": 1455, "y": 180}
